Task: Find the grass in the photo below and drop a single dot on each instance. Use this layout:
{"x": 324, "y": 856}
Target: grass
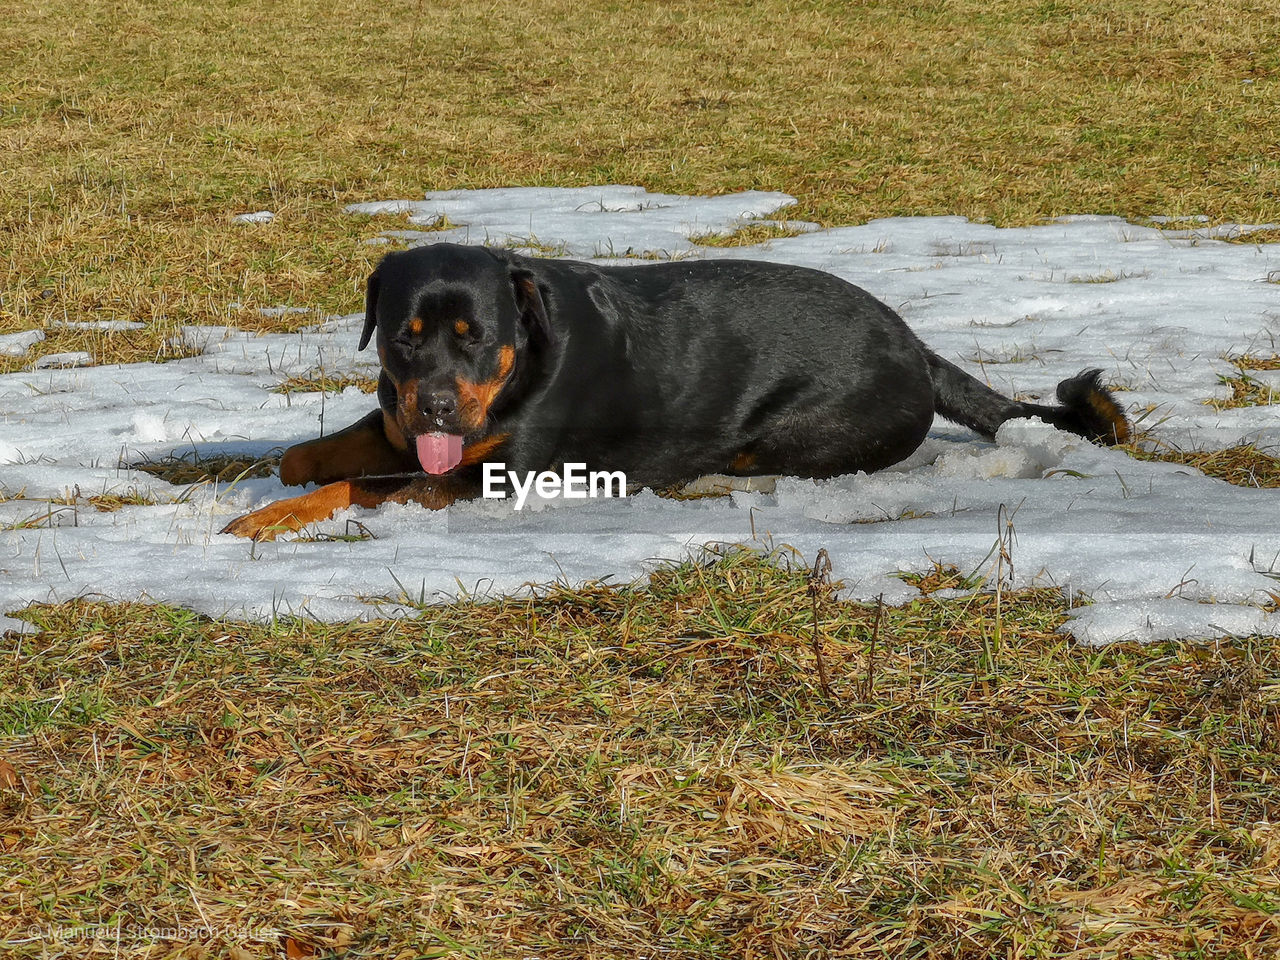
{"x": 327, "y": 383}
{"x": 220, "y": 468}
{"x": 1246, "y": 391}
{"x": 133, "y": 135}
{"x": 628, "y": 772}
{"x": 943, "y": 577}
{"x": 748, "y": 235}
{"x": 1107, "y": 276}
{"x": 1254, "y": 361}
{"x": 1243, "y": 465}
{"x": 70, "y": 502}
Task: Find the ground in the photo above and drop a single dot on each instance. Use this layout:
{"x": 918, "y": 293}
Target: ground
{"x": 604, "y": 772}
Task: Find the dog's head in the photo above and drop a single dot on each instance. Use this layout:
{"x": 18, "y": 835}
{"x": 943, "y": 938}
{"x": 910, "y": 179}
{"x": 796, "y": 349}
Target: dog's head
{"x": 454, "y": 325}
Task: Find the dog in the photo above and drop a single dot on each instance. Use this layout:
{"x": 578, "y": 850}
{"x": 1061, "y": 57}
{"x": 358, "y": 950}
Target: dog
{"x": 666, "y": 372}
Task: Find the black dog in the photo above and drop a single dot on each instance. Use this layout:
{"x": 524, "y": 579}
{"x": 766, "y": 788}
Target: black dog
{"x": 665, "y": 372}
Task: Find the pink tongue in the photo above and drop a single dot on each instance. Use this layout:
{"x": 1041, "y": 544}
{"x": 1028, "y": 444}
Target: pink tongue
{"x": 439, "y": 452}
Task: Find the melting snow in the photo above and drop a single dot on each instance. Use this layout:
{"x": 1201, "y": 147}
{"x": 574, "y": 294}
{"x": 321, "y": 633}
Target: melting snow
{"x": 1162, "y": 550}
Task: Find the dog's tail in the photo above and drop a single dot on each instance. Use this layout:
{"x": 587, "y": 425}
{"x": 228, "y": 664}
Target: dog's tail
{"x": 1086, "y": 407}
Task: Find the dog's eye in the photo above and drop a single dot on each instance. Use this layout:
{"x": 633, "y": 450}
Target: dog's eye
{"x": 468, "y": 335}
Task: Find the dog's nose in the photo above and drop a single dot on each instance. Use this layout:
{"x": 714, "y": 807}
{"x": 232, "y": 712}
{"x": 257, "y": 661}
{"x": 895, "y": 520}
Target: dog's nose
{"x": 440, "y": 405}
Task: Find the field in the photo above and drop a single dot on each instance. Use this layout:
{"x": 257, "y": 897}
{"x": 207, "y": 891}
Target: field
{"x": 722, "y": 761}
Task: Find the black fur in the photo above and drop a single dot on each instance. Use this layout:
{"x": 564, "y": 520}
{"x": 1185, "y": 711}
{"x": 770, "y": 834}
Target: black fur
{"x": 674, "y": 370}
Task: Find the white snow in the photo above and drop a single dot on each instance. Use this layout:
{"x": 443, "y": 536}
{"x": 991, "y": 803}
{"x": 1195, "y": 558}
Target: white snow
{"x": 17, "y": 344}
{"x": 71, "y": 358}
{"x": 108, "y": 325}
{"x": 1161, "y": 550}
{"x": 258, "y": 216}
{"x": 613, "y": 221}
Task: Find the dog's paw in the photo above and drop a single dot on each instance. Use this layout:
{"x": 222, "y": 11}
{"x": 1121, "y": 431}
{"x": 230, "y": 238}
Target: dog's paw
{"x": 285, "y": 516}
{"x": 265, "y": 524}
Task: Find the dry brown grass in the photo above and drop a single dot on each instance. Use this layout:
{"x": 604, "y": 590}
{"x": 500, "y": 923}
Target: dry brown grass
{"x": 133, "y": 134}
{"x": 748, "y": 236}
{"x": 1254, "y": 361}
{"x": 327, "y": 383}
{"x": 620, "y": 773}
{"x": 610, "y": 773}
{"x": 194, "y": 468}
{"x": 1246, "y": 391}
{"x": 942, "y": 577}
{"x": 70, "y": 502}
{"x": 1243, "y": 465}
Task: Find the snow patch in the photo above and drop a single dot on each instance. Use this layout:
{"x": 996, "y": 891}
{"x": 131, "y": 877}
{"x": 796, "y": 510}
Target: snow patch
{"x": 607, "y": 222}
{"x": 1162, "y": 550}
{"x": 70, "y": 358}
{"x": 17, "y": 344}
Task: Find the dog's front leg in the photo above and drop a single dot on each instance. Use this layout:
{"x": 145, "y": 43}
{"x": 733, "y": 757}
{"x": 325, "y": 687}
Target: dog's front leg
{"x": 434, "y": 493}
{"x": 362, "y": 449}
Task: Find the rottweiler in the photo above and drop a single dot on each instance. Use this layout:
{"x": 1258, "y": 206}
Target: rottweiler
{"x": 663, "y": 371}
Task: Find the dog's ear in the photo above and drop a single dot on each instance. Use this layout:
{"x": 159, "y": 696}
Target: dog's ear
{"x": 370, "y": 309}
{"x": 533, "y": 306}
